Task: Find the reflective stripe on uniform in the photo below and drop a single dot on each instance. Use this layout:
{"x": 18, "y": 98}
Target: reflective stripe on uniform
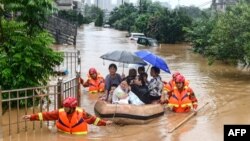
{"x": 79, "y": 109}
{"x": 195, "y": 103}
{"x": 61, "y": 110}
{"x": 186, "y": 105}
{"x": 96, "y": 121}
{"x": 94, "y": 91}
{"x": 173, "y": 105}
{"x": 40, "y": 116}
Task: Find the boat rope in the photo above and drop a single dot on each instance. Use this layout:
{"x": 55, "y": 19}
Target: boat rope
{"x": 114, "y": 112}
{"x": 114, "y": 125}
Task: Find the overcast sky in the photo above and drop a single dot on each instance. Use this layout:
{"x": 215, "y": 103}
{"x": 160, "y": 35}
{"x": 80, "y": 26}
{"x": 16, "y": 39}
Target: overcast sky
{"x": 198, "y": 3}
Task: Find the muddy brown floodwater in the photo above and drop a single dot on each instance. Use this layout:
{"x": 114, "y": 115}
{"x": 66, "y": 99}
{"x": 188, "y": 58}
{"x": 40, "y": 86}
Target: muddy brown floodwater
{"x": 225, "y": 88}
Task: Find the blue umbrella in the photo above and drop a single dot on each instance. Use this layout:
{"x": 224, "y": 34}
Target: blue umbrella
{"x": 153, "y": 59}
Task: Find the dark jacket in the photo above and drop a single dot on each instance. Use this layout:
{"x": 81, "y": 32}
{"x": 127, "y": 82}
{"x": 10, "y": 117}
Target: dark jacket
{"x": 142, "y": 92}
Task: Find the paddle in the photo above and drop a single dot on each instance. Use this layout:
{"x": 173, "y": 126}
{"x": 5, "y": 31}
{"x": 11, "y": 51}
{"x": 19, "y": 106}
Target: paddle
{"x": 187, "y": 118}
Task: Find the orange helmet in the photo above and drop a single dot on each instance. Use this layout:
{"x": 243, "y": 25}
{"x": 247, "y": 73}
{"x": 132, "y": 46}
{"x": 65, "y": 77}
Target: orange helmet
{"x": 180, "y": 78}
{"x": 175, "y": 74}
{"x": 92, "y": 71}
{"x": 70, "y": 102}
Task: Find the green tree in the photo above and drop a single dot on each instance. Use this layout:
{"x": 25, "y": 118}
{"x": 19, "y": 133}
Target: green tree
{"x": 141, "y": 23}
{"x": 91, "y": 13}
{"x": 99, "y": 18}
{"x": 223, "y": 36}
{"x": 199, "y": 33}
{"x": 167, "y": 27}
{"x": 191, "y": 11}
{"x": 26, "y": 57}
{"x": 124, "y": 14}
{"x": 151, "y": 19}
{"x": 144, "y": 5}
{"x": 231, "y": 35}
{"x": 33, "y": 12}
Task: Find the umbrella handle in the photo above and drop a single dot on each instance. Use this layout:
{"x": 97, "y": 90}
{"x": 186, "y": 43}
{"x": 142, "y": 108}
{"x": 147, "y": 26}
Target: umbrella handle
{"x": 148, "y": 68}
{"x": 103, "y": 62}
{"x": 123, "y": 71}
{"x": 123, "y": 68}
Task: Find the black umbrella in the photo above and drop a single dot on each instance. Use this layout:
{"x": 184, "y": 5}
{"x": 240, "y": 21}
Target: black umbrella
{"x": 123, "y": 57}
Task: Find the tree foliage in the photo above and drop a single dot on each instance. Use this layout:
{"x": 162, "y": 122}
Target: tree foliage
{"x": 151, "y": 19}
{"x": 123, "y": 17}
{"x": 26, "y": 57}
{"x": 93, "y": 14}
{"x": 199, "y": 33}
{"x": 72, "y": 16}
{"x": 99, "y": 19}
{"x": 231, "y": 35}
{"x": 223, "y": 36}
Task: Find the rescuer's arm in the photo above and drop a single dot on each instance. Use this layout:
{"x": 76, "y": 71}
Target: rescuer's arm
{"x": 52, "y": 115}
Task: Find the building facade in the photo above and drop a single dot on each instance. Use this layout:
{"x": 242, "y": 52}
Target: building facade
{"x": 222, "y": 4}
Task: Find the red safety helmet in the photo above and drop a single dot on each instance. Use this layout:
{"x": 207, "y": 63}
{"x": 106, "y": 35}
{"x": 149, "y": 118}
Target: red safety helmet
{"x": 175, "y": 74}
{"x": 92, "y": 71}
{"x": 70, "y": 102}
{"x": 180, "y": 79}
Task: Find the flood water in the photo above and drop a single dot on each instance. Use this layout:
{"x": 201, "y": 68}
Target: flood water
{"x": 225, "y": 88}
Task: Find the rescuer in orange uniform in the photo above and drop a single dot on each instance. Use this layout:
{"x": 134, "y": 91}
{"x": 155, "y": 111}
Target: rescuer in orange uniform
{"x": 181, "y": 98}
{"x": 168, "y": 86}
{"x": 95, "y": 81}
{"x": 70, "y": 119}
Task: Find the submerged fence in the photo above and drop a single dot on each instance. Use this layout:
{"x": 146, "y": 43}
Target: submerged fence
{"x": 70, "y": 64}
{"x": 25, "y": 101}
{"x": 19, "y": 102}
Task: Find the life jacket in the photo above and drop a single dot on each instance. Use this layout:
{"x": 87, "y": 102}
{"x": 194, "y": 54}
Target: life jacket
{"x": 77, "y": 125}
{"x": 96, "y": 85}
{"x": 166, "y": 87}
{"x": 180, "y": 102}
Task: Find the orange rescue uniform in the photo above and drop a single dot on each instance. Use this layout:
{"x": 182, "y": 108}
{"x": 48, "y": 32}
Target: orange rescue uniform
{"x": 182, "y": 101}
{"x": 95, "y": 85}
{"x": 75, "y": 123}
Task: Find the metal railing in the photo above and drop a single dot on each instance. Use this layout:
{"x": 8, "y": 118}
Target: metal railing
{"x": 70, "y": 64}
{"x": 25, "y": 101}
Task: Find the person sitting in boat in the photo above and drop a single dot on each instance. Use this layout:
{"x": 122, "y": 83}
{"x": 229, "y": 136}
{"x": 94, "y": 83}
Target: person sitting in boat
{"x": 181, "y": 98}
{"x": 95, "y": 81}
{"x": 155, "y": 85}
{"x": 70, "y": 119}
{"x": 111, "y": 92}
{"x": 144, "y": 78}
{"x": 140, "y": 89}
{"x": 111, "y": 78}
{"x": 123, "y": 94}
{"x": 131, "y": 74}
{"x": 120, "y": 94}
{"x": 141, "y": 70}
